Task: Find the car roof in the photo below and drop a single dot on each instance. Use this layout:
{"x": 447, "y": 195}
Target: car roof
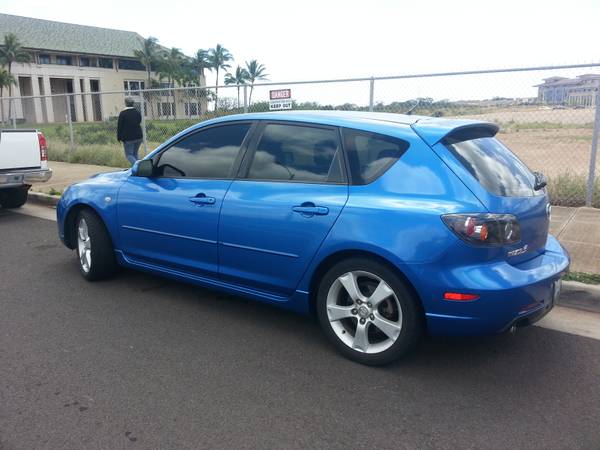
{"x": 430, "y": 129}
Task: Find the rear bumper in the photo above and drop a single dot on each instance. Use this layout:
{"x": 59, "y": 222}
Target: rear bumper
{"x": 508, "y": 294}
{"x": 21, "y": 177}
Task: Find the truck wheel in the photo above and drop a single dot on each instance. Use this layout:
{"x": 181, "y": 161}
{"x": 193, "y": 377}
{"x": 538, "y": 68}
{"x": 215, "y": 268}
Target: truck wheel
{"x": 94, "y": 247}
{"x": 13, "y": 197}
{"x": 367, "y": 312}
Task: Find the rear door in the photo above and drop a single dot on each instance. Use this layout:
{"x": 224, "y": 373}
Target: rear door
{"x": 504, "y": 184}
{"x": 291, "y": 189}
{"x": 171, "y": 219}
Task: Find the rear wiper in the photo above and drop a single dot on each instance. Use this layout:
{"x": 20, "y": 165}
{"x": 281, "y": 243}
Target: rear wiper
{"x": 540, "y": 181}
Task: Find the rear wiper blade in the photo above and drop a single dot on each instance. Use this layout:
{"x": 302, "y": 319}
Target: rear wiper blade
{"x": 540, "y": 181}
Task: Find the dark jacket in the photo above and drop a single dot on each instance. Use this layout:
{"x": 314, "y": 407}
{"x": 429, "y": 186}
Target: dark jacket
{"x": 128, "y": 127}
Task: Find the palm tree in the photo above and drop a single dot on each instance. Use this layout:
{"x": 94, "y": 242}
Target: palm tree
{"x": 240, "y": 77}
{"x": 256, "y": 72}
{"x": 12, "y": 52}
{"x": 200, "y": 63}
{"x": 6, "y": 81}
{"x": 148, "y": 55}
{"x": 170, "y": 68}
{"x": 218, "y": 58}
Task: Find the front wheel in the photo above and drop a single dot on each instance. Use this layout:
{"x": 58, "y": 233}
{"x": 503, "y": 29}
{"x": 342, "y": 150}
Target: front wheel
{"x": 94, "y": 247}
{"x": 368, "y": 312}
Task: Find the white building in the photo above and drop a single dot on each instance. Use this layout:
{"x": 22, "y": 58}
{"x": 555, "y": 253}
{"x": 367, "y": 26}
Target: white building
{"x": 579, "y": 91}
{"x": 72, "y": 59}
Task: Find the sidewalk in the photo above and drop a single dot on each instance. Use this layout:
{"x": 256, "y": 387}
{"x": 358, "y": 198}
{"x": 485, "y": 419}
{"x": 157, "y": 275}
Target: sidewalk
{"x": 578, "y": 229}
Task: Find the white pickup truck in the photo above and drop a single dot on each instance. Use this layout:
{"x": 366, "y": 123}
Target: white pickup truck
{"x": 23, "y": 160}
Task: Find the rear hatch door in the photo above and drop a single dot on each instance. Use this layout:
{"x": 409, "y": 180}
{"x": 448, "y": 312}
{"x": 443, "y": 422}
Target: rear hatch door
{"x": 501, "y": 181}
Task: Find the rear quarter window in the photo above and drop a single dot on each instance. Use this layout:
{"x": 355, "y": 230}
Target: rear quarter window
{"x": 371, "y": 154}
{"x": 496, "y": 168}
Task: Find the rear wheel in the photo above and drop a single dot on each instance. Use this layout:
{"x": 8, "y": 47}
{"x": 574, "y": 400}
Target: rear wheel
{"x": 13, "y": 197}
{"x": 94, "y": 247}
{"x": 367, "y": 312}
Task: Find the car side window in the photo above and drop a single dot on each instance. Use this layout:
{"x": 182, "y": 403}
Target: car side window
{"x": 208, "y": 153}
{"x": 297, "y": 153}
{"x": 371, "y": 154}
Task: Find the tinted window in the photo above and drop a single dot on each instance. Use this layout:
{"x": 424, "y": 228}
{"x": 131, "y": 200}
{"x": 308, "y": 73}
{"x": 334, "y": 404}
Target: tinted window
{"x": 205, "y": 154}
{"x": 371, "y": 154}
{"x": 495, "y": 167}
{"x": 297, "y": 153}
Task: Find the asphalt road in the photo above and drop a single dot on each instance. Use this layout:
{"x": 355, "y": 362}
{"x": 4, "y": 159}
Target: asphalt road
{"x": 139, "y": 362}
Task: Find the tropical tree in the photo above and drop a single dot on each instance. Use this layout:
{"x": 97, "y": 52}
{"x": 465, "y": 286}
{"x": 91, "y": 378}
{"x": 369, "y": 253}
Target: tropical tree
{"x": 170, "y": 67}
{"x": 11, "y": 52}
{"x": 256, "y": 72}
{"x": 239, "y": 78}
{"x": 219, "y": 58}
{"x": 201, "y": 63}
{"x": 6, "y": 81}
{"x": 148, "y": 55}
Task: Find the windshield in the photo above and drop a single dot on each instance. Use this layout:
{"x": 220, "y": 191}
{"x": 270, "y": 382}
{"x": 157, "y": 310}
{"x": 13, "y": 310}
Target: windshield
{"x": 495, "y": 167}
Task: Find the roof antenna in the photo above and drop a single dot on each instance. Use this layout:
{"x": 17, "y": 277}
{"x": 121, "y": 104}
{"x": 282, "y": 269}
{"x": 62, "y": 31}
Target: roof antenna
{"x": 412, "y": 108}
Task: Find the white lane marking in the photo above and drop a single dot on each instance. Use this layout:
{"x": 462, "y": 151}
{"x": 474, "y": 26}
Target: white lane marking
{"x": 39, "y": 211}
{"x": 573, "y": 321}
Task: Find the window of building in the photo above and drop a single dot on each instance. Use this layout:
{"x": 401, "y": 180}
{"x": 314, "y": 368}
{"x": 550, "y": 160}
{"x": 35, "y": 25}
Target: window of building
{"x": 133, "y": 85}
{"x": 130, "y": 64}
{"x": 64, "y": 60}
{"x": 86, "y": 61}
{"x": 297, "y": 153}
{"x": 205, "y": 154}
{"x": 43, "y": 58}
{"x": 106, "y": 63}
{"x": 191, "y": 109}
{"x": 165, "y": 85}
{"x": 371, "y": 154}
{"x": 166, "y": 108}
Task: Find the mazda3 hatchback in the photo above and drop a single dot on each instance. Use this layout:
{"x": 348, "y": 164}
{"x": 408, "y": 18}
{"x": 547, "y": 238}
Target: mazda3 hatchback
{"x": 385, "y": 226}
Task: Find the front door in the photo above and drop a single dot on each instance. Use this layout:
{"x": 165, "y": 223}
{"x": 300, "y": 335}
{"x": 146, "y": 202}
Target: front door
{"x": 171, "y": 219}
{"x": 275, "y": 217}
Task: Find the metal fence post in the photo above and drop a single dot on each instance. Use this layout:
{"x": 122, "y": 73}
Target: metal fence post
{"x": 70, "y": 120}
{"x": 14, "y": 113}
{"x": 143, "y": 113}
{"x": 371, "y": 93}
{"x": 594, "y": 153}
{"x": 245, "y": 99}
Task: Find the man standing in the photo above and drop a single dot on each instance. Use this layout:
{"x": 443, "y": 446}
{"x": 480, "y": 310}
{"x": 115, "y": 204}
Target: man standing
{"x": 129, "y": 131}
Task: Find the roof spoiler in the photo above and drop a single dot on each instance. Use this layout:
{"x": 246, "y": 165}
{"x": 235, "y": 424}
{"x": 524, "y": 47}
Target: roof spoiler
{"x": 434, "y": 131}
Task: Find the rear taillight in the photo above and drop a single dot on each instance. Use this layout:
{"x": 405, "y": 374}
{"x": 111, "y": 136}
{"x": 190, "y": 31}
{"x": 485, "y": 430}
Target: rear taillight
{"x": 43, "y": 146}
{"x": 484, "y": 229}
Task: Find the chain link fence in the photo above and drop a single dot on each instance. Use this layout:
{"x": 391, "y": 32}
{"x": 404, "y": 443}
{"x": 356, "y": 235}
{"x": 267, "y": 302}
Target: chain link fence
{"x": 550, "y": 117}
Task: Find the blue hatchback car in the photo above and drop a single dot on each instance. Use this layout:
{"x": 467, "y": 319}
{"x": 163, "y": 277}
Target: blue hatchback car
{"x": 383, "y": 225}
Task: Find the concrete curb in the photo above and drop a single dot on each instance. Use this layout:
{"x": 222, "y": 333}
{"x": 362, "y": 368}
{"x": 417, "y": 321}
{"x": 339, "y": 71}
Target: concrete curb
{"x": 585, "y": 297}
{"x": 43, "y": 199}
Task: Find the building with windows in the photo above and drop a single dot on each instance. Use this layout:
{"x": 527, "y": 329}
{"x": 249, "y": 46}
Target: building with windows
{"x": 579, "y": 91}
{"x": 72, "y": 59}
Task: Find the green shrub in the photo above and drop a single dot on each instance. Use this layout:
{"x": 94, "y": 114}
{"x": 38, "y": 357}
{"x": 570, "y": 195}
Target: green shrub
{"x": 568, "y": 189}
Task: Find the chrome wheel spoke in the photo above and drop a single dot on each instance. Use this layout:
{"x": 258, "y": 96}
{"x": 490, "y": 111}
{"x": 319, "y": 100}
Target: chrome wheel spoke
{"x": 382, "y": 291}
{"x": 336, "y": 312}
{"x": 84, "y": 246}
{"x": 349, "y": 282}
{"x": 389, "y": 328}
{"x": 361, "y": 337}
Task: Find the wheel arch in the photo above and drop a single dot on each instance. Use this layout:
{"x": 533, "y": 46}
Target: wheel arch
{"x": 338, "y": 256}
{"x": 71, "y": 216}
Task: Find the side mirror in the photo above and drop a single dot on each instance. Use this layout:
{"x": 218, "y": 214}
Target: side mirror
{"x": 143, "y": 168}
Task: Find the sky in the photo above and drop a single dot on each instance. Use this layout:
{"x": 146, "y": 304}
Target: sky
{"x": 308, "y": 39}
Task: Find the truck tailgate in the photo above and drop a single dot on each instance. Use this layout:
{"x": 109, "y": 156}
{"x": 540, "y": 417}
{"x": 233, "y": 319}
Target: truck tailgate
{"x": 19, "y": 149}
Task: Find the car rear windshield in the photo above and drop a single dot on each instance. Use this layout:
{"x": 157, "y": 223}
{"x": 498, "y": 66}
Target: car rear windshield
{"x": 496, "y": 168}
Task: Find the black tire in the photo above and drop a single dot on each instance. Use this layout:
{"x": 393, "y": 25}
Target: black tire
{"x": 411, "y": 318}
{"x": 102, "y": 263}
{"x": 13, "y": 197}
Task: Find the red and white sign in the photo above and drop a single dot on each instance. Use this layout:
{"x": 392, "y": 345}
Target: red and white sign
{"x": 280, "y": 94}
